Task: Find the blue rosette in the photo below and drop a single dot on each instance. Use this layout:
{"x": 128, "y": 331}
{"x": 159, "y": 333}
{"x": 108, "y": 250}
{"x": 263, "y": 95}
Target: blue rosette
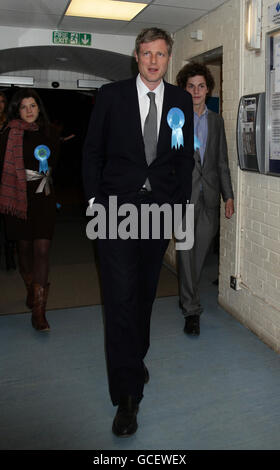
{"x": 42, "y": 153}
{"x": 176, "y": 120}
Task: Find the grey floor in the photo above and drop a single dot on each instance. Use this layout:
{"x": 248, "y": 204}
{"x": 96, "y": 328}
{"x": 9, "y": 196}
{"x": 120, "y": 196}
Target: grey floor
{"x": 218, "y": 391}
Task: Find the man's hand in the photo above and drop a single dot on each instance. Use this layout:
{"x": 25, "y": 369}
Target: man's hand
{"x": 229, "y": 208}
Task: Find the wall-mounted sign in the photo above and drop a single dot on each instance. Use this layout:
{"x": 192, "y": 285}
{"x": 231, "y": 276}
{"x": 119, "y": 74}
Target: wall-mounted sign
{"x": 274, "y": 14}
{"x": 273, "y": 102}
{"x": 69, "y": 38}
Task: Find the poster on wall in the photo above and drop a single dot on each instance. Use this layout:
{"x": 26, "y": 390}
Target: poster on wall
{"x": 273, "y": 103}
{"x": 275, "y": 121}
{"x": 274, "y": 14}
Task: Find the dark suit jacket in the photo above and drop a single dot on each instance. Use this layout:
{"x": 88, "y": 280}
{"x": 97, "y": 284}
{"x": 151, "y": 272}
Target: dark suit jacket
{"x": 214, "y": 174}
{"x": 114, "y": 156}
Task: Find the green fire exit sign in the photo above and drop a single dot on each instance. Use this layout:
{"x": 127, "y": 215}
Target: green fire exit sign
{"x": 68, "y": 38}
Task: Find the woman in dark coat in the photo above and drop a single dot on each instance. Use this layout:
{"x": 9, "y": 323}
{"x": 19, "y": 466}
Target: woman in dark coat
{"x": 28, "y": 150}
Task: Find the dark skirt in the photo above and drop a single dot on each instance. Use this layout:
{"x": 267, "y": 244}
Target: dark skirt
{"x": 41, "y": 215}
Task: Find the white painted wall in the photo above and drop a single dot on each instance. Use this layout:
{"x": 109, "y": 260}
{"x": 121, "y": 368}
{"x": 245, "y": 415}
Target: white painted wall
{"x": 21, "y": 37}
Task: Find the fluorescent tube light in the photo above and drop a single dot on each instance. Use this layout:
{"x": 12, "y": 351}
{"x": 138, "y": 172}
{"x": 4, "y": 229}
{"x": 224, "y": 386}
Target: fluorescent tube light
{"x": 91, "y": 83}
{"x": 105, "y": 9}
{"x": 13, "y": 80}
{"x": 253, "y": 26}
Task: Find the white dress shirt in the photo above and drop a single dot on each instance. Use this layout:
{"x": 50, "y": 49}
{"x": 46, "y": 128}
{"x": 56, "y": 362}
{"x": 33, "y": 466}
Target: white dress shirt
{"x": 144, "y": 100}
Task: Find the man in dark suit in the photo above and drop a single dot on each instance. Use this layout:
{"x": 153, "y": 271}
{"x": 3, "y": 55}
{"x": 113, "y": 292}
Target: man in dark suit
{"x": 211, "y": 179}
{"x": 129, "y": 153}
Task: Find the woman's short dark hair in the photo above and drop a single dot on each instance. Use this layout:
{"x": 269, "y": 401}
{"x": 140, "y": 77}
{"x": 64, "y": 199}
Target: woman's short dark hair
{"x": 152, "y": 34}
{"x": 191, "y": 70}
{"x": 21, "y": 94}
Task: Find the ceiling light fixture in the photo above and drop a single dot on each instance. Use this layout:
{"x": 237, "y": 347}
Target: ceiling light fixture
{"x": 105, "y": 9}
{"x": 91, "y": 83}
{"x": 14, "y": 80}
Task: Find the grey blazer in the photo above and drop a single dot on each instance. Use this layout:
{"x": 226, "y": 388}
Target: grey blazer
{"x": 214, "y": 174}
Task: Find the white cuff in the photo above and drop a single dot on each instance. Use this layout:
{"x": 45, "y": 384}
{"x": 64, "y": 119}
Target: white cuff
{"x": 91, "y": 201}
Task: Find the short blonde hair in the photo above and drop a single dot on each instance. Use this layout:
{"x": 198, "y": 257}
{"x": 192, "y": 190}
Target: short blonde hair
{"x": 152, "y": 34}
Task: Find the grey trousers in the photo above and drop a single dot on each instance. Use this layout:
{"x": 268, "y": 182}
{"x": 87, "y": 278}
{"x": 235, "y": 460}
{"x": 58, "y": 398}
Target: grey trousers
{"x": 190, "y": 262}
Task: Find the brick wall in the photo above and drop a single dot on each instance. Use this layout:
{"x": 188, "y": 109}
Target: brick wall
{"x": 249, "y": 243}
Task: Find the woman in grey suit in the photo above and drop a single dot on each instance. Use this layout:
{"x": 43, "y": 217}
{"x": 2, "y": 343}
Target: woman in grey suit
{"x": 210, "y": 180}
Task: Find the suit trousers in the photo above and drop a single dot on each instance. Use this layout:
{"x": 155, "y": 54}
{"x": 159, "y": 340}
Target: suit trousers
{"x": 129, "y": 272}
{"x": 190, "y": 262}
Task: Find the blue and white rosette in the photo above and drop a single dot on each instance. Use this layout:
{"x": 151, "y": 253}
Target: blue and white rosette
{"x": 176, "y": 120}
{"x": 42, "y": 153}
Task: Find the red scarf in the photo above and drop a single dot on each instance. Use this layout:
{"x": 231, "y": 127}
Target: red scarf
{"x": 13, "y": 198}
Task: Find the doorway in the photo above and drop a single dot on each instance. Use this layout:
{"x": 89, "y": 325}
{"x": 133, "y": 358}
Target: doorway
{"x": 69, "y": 113}
{"x": 73, "y": 274}
{"x": 214, "y": 61}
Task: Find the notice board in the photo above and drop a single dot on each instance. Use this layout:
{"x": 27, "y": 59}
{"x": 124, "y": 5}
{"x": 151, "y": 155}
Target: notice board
{"x": 273, "y": 102}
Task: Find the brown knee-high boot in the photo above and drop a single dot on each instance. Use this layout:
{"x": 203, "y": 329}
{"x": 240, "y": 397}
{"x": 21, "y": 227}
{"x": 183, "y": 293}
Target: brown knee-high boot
{"x": 28, "y": 281}
{"x": 39, "y": 321}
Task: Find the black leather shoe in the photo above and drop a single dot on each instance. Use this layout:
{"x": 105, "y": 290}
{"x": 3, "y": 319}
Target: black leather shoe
{"x": 125, "y": 422}
{"x": 192, "y": 325}
{"x": 146, "y": 375}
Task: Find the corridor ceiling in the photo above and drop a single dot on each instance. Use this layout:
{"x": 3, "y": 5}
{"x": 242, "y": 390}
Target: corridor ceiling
{"x": 171, "y": 15}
